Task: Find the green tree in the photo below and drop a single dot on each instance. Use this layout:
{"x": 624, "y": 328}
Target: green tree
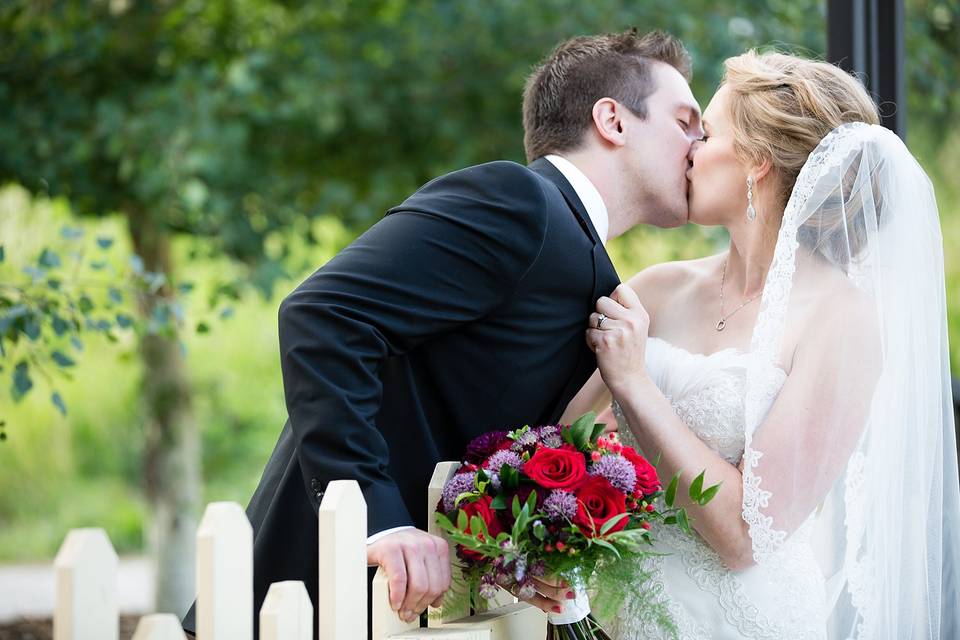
{"x": 238, "y": 121}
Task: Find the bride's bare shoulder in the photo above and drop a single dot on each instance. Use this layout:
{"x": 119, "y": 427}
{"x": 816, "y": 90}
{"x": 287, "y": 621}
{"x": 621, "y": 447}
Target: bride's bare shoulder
{"x": 667, "y": 279}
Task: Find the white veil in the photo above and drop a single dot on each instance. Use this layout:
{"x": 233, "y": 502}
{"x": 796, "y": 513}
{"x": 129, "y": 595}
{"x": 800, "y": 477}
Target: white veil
{"x": 866, "y": 473}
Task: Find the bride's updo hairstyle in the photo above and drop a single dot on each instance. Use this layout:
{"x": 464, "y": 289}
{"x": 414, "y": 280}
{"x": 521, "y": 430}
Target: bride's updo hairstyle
{"x": 781, "y": 107}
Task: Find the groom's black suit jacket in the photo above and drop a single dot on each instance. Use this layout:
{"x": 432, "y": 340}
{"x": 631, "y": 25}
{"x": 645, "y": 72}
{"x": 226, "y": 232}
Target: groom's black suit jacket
{"x": 463, "y": 310}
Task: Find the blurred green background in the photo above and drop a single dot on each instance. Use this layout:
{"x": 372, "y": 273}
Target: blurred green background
{"x": 259, "y": 138}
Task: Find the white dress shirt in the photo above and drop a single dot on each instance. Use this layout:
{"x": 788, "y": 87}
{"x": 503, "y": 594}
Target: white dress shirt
{"x": 588, "y": 194}
{"x": 597, "y": 211}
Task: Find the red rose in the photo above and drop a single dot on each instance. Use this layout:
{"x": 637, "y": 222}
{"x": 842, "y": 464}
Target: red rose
{"x": 481, "y": 508}
{"x": 647, "y": 480}
{"x": 562, "y": 468}
{"x": 599, "y": 500}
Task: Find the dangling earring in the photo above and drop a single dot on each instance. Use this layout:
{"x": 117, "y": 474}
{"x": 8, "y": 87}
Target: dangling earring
{"x": 751, "y": 212}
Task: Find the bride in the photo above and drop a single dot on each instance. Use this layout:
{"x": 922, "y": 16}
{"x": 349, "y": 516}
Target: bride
{"x": 805, "y": 369}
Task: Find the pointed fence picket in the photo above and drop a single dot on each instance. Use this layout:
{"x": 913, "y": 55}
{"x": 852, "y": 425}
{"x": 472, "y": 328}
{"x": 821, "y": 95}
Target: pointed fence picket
{"x": 86, "y": 575}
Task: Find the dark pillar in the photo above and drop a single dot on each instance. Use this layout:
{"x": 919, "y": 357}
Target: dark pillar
{"x": 866, "y": 37}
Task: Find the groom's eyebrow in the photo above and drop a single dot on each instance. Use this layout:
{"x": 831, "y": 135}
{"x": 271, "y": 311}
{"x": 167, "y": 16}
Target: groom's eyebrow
{"x": 693, "y": 110}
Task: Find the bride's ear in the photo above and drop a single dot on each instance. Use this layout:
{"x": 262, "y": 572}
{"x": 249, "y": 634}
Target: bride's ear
{"x": 607, "y": 118}
{"x": 760, "y": 171}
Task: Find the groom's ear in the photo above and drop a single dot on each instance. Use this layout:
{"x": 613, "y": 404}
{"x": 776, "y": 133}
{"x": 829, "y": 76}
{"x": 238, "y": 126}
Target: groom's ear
{"x": 607, "y": 118}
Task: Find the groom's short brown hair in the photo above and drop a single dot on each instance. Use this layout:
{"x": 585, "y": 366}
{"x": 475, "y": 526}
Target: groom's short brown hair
{"x": 560, "y": 93}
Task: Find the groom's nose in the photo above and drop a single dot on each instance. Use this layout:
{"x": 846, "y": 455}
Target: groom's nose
{"x": 694, "y": 146}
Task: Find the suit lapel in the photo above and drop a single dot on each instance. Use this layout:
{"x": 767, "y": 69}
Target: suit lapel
{"x": 545, "y": 168}
{"x": 605, "y": 280}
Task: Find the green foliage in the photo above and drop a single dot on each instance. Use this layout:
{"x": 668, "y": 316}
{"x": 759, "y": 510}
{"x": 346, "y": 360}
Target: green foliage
{"x": 263, "y": 136}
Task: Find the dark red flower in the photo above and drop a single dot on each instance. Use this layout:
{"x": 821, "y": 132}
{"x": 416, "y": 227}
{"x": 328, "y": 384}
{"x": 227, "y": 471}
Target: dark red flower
{"x": 647, "y": 480}
{"x": 483, "y": 445}
{"x": 481, "y": 507}
{"x": 598, "y": 500}
{"x": 562, "y": 468}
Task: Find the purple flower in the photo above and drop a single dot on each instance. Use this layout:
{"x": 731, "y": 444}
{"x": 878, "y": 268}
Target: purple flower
{"x": 460, "y": 483}
{"x": 618, "y": 470}
{"x": 488, "y": 586}
{"x": 560, "y": 505}
{"x": 480, "y": 448}
{"x": 502, "y": 457}
{"x": 527, "y": 590}
{"x": 548, "y": 436}
{"x": 526, "y": 441}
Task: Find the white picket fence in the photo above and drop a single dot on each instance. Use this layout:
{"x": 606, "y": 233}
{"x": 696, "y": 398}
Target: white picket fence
{"x": 86, "y": 584}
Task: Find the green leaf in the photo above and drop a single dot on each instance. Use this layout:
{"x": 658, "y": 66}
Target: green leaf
{"x": 683, "y": 521}
{"x": 58, "y": 403}
{"x": 31, "y": 328}
{"x": 48, "y": 259}
{"x": 462, "y": 520}
{"x": 115, "y": 295}
{"x": 582, "y": 429}
{"x": 532, "y": 501}
{"x": 597, "y": 431}
{"x": 104, "y": 242}
{"x": 612, "y": 522}
{"x": 708, "y": 494}
{"x": 203, "y": 327}
{"x": 509, "y": 478}
{"x": 85, "y": 304}
{"x": 671, "y": 494}
{"x": 696, "y": 487}
{"x": 21, "y": 380}
{"x": 444, "y": 522}
{"x": 62, "y": 360}
{"x": 539, "y": 530}
{"x": 124, "y": 321}
{"x": 606, "y": 545}
{"x": 53, "y": 284}
{"x": 515, "y": 507}
{"x": 499, "y": 502}
{"x": 60, "y": 326}
{"x": 35, "y": 274}
{"x": 71, "y": 233}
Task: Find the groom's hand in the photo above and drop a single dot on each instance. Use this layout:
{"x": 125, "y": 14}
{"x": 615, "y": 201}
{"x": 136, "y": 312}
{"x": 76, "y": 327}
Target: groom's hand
{"x": 418, "y": 570}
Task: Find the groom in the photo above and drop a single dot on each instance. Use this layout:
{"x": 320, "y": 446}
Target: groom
{"x": 464, "y": 310}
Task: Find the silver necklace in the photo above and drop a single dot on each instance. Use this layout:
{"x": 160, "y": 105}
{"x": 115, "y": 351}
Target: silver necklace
{"x": 724, "y": 318}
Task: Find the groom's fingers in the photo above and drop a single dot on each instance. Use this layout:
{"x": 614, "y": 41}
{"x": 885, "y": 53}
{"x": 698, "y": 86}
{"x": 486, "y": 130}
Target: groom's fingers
{"x": 418, "y": 583}
{"x": 396, "y": 568}
{"x": 435, "y": 577}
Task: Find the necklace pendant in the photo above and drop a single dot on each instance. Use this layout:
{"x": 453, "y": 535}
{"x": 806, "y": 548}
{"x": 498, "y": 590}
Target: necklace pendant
{"x": 721, "y": 325}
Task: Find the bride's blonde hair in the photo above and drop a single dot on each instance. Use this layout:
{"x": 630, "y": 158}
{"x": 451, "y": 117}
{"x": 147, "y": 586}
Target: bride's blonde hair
{"x": 782, "y": 106}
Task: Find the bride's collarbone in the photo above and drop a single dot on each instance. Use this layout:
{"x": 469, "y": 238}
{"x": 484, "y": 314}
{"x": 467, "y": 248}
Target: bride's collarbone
{"x": 694, "y": 329}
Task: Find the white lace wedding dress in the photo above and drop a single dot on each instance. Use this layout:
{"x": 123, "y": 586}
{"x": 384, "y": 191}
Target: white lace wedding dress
{"x": 703, "y": 597}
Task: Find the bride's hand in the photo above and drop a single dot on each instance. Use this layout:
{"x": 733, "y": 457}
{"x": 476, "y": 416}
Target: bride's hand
{"x": 621, "y": 341}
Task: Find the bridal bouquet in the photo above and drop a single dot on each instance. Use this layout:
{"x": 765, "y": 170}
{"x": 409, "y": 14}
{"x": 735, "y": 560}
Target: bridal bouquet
{"x": 562, "y": 501}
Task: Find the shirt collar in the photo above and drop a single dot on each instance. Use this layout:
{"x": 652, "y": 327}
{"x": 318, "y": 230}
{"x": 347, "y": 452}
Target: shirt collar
{"x": 588, "y": 194}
